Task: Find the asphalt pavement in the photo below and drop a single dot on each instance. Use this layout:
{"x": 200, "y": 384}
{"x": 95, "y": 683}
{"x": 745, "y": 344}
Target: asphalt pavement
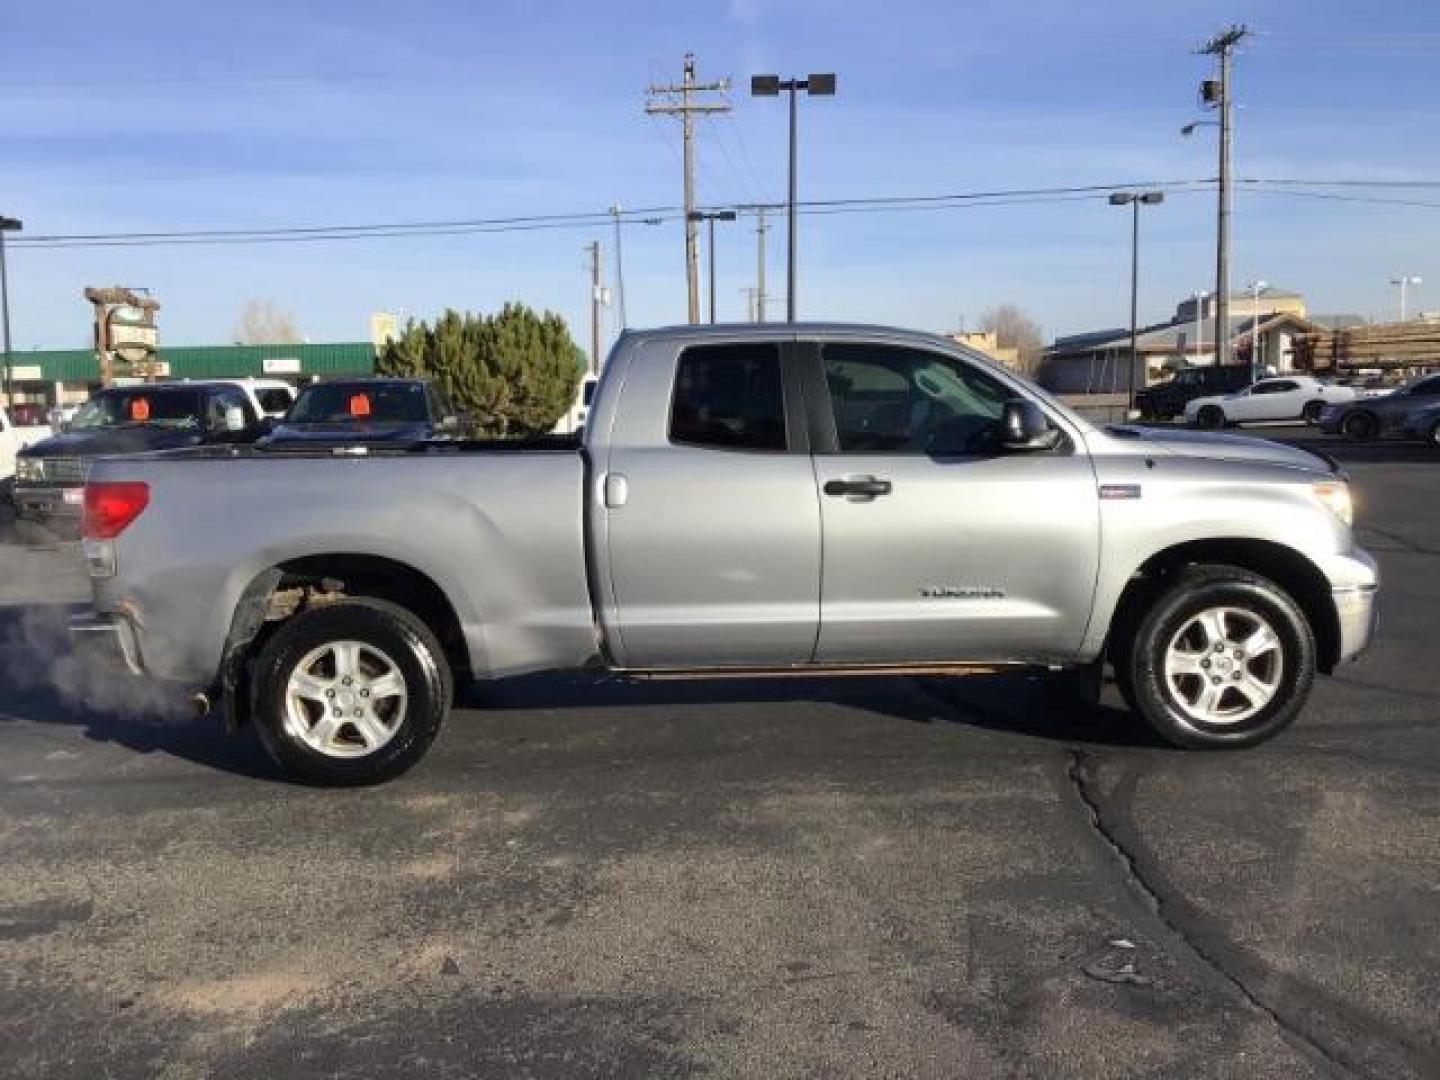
{"x": 871, "y": 877}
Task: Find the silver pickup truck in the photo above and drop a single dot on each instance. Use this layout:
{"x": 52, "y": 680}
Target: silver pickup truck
{"x": 763, "y": 499}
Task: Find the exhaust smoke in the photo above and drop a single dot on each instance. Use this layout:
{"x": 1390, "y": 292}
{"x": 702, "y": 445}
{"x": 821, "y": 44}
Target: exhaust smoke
{"x": 35, "y": 656}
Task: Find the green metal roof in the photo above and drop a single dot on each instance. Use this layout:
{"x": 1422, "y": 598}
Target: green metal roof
{"x": 210, "y": 361}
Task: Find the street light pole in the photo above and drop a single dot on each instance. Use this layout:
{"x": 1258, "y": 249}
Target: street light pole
{"x": 770, "y": 86}
{"x": 7, "y": 224}
{"x": 1404, "y": 281}
{"x": 1255, "y": 289}
{"x": 710, "y": 219}
{"x": 1200, "y": 298}
{"x": 1133, "y": 199}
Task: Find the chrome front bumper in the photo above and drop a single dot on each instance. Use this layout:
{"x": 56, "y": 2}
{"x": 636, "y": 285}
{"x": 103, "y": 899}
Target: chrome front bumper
{"x": 105, "y": 641}
{"x": 1354, "y": 583}
{"x": 1358, "y": 613}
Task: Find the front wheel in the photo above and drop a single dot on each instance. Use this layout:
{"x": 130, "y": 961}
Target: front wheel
{"x": 1223, "y": 658}
{"x": 350, "y": 693}
{"x": 1360, "y": 426}
{"x": 1311, "y": 413}
{"x": 1210, "y": 418}
{"x": 1433, "y": 438}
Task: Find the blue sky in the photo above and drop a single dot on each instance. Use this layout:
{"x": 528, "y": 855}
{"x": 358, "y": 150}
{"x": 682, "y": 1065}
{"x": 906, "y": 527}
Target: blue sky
{"x": 288, "y": 114}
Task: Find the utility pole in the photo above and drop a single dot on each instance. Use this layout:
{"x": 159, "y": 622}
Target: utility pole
{"x": 1216, "y": 92}
{"x": 682, "y": 101}
{"x": 761, "y": 225}
{"x": 596, "y": 296}
{"x": 619, "y": 265}
{"x": 7, "y": 224}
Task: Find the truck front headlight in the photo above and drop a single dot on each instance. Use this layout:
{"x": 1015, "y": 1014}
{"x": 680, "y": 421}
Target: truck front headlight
{"x": 29, "y": 469}
{"x": 1335, "y": 494}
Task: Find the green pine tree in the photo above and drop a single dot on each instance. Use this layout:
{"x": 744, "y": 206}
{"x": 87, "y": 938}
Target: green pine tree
{"x": 515, "y": 372}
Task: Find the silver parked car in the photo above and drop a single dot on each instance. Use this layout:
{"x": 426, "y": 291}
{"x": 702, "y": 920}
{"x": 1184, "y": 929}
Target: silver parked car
{"x": 810, "y": 498}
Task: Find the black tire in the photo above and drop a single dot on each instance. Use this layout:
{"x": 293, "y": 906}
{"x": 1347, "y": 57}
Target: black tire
{"x": 1210, "y": 418}
{"x": 1140, "y": 665}
{"x": 1360, "y": 426}
{"x": 1433, "y": 438}
{"x": 1311, "y": 413}
{"x": 400, "y": 637}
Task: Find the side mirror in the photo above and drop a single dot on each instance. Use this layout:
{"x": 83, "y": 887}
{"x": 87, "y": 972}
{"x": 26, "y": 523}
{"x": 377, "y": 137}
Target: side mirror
{"x": 1024, "y": 427}
{"x": 234, "y": 419}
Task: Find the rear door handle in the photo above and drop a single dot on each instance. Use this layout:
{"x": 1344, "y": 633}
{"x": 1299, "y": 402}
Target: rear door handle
{"x": 862, "y": 487}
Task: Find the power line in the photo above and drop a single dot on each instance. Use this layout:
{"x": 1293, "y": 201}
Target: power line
{"x": 1369, "y": 200}
{"x": 589, "y": 219}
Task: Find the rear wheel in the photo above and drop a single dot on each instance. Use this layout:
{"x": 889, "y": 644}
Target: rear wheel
{"x": 1222, "y": 658}
{"x": 350, "y": 693}
{"x": 1360, "y": 426}
{"x": 1311, "y": 413}
{"x": 1210, "y": 417}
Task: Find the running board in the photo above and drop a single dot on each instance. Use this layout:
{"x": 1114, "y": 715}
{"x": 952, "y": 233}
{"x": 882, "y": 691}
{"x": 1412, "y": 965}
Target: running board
{"x": 813, "y": 671}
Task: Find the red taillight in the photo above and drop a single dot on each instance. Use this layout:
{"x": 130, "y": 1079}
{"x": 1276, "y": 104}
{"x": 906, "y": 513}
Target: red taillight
{"x": 110, "y": 506}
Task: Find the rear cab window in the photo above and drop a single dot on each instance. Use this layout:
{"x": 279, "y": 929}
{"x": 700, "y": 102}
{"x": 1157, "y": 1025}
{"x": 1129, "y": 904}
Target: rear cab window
{"x": 730, "y": 397}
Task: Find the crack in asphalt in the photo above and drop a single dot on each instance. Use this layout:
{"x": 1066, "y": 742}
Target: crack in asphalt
{"x": 1078, "y": 770}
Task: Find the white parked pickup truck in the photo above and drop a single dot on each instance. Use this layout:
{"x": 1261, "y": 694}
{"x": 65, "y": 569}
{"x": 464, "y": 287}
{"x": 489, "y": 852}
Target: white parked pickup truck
{"x": 1292, "y": 397}
{"x": 12, "y": 439}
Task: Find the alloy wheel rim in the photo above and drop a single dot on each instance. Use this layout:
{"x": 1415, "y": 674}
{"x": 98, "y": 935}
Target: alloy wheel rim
{"x": 1224, "y": 665}
{"x": 345, "y": 699}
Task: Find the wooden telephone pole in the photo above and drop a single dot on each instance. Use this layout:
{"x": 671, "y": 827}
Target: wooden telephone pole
{"x": 1216, "y": 92}
{"x": 597, "y": 297}
{"x": 682, "y": 101}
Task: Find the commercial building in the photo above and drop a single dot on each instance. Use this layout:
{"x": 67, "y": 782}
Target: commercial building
{"x": 1097, "y": 362}
{"x": 49, "y": 377}
{"x": 988, "y": 342}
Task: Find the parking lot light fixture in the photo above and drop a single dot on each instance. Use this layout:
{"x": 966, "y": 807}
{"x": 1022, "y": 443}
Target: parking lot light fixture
{"x": 815, "y": 85}
{"x": 710, "y": 218}
{"x": 1256, "y": 287}
{"x": 1405, "y": 281}
{"x": 1134, "y": 200}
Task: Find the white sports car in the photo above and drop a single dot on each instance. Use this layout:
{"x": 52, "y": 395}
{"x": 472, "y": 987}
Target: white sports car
{"x": 1290, "y": 397}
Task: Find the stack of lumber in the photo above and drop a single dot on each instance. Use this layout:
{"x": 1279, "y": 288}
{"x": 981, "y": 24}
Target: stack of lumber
{"x": 1386, "y": 345}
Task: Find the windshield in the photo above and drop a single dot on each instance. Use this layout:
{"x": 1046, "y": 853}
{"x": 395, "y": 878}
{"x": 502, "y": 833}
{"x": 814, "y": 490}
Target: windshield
{"x": 371, "y": 403}
{"x": 273, "y": 402}
{"x": 131, "y": 408}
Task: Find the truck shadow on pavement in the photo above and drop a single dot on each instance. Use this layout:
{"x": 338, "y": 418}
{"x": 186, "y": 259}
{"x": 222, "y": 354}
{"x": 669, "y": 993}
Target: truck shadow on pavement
{"x": 1015, "y": 705}
{"x": 40, "y": 683}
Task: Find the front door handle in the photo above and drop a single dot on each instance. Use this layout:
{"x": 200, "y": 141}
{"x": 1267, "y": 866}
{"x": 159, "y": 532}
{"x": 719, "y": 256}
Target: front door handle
{"x": 617, "y": 490}
{"x": 861, "y": 487}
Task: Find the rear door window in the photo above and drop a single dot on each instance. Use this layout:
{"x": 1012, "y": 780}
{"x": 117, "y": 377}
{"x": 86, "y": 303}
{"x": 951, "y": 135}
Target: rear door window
{"x": 729, "y": 397}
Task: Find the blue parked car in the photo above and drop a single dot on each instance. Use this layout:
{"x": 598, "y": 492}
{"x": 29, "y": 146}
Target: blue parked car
{"x": 362, "y": 412}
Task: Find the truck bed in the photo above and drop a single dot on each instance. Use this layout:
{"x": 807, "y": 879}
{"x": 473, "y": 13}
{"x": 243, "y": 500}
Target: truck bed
{"x": 497, "y": 527}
